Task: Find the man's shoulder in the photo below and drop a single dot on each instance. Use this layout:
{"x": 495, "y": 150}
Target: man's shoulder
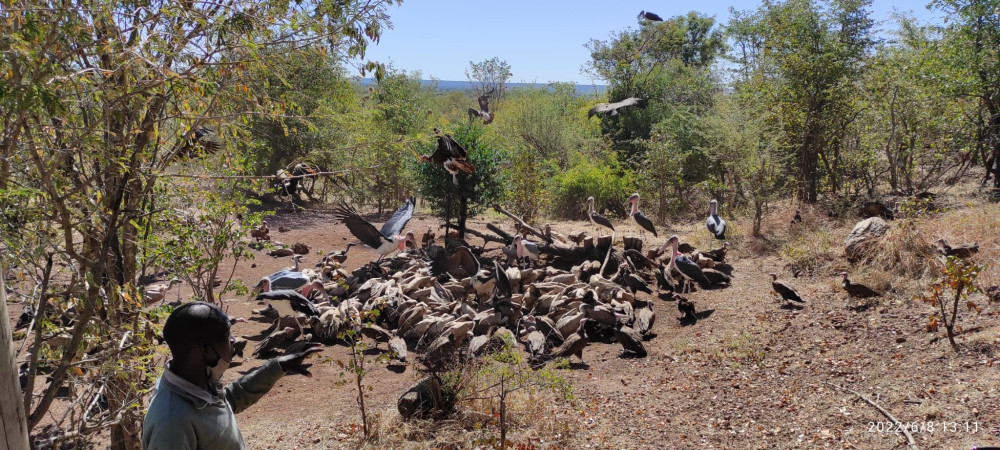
{"x": 167, "y": 401}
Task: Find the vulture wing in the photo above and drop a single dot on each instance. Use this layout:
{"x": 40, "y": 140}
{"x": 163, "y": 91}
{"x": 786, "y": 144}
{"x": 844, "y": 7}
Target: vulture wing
{"x": 484, "y": 101}
{"x": 786, "y": 292}
{"x": 503, "y": 283}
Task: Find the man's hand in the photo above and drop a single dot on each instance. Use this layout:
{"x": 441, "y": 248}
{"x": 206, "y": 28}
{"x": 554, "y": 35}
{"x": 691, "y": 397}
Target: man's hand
{"x": 292, "y": 363}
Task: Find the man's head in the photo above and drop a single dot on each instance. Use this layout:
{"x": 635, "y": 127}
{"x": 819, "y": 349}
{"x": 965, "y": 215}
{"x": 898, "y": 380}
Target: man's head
{"x": 198, "y": 335}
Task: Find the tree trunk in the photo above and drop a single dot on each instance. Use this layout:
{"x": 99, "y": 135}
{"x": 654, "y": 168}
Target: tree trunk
{"x": 463, "y": 213}
{"x": 12, "y": 417}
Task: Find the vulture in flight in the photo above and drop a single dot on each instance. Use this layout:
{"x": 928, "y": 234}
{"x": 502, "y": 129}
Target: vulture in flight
{"x": 387, "y": 240}
{"x": 602, "y": 108}
{"x": 449, "y": 154}
{"x": 484, "y": 109}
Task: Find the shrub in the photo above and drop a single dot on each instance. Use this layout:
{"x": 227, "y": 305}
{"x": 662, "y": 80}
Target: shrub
{"x": 475, "y": 191}
{"x": 606, "y": 181}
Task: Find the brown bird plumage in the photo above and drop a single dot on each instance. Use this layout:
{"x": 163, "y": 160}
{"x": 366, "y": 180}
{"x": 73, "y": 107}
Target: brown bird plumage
{"x": 858, "y": 290}
{"x": 450, "y": 155}
{"x": 961, "y": 251}
{"x": 784, "y": 290}
{"x": 686, "y": 307}
{"x": 631, "y": 341}
{"x": 574, "y": 344}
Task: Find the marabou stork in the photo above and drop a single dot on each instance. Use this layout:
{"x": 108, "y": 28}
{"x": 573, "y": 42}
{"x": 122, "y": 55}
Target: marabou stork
{"x": 597, "y": 219}
{"x": 714, "y": 223}
{"x": 289, "y": 303}
{"x": 602, "y": 108}
{"x": 291, "y": 278}
{"x": 484, "y": 109}
{"x": 685, "y": 266}
{"x": 450, "y": 155}
{"x": 639, "y": 218}
{"x": 653, "y": 17}
{"x": 387, "y": 240}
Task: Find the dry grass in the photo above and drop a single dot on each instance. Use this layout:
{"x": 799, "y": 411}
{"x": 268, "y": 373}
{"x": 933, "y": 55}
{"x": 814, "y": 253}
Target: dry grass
{"x": 534, "y": 418}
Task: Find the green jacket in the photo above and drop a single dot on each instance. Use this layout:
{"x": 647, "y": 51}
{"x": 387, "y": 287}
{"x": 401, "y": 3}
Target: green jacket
{"x": 182, "y": 416}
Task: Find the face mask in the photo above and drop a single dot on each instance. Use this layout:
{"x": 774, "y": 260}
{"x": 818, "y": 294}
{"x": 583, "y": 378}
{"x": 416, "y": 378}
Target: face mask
{"x": 215, "y": 371}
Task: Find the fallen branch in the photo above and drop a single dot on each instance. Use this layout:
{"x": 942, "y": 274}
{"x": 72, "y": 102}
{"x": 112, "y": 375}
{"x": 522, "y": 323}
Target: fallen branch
{"x": 522, "y": 223}
{"x": 503, "y": 234}
{"x": 899, "y": 425}
{"x": 608, "y": 256}
{"x": 475, "y": 233}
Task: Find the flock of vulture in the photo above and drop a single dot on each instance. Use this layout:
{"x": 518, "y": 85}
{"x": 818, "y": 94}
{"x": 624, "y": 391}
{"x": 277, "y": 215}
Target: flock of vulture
{"x": 452, "y": 301}
{"x": 455, "y": 300}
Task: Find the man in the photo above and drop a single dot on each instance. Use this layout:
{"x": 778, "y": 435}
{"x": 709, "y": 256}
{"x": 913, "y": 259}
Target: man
{"x": 188, "y": 409}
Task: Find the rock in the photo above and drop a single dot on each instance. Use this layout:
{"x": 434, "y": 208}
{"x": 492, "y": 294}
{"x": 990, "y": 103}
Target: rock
{"x": 421, "y": 400}
{"x": 863, "y": 234}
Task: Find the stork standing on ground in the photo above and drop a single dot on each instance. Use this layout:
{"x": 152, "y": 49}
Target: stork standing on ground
{"x": 714, "y": 223}
{"x": 450, "y": 155}
{"x": 685, "y": 266}
{"x": 597, "y": 219}
{"x": 387, "y": 240}
{"x": 291, "y": 278}
{"x": 640, "y": 219}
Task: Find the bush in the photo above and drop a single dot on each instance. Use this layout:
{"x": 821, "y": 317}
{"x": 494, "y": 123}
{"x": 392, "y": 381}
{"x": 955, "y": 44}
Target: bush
{"x": 606, "y": 181}
{"x": 475, "y": 191}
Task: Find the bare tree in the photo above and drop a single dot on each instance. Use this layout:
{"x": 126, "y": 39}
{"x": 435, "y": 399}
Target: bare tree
{"x": 489, "y": 75}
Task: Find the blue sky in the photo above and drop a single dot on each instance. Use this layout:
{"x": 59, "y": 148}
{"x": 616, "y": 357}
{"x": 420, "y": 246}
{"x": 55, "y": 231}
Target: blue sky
{"x": 543, "y": 40}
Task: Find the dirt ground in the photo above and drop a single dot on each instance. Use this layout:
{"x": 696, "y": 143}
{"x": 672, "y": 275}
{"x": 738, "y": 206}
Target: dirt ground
{"x": 749, "y": 374}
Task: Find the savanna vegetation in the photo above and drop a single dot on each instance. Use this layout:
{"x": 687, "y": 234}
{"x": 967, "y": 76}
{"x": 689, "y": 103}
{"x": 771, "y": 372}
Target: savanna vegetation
{"x": 144, "y": 138}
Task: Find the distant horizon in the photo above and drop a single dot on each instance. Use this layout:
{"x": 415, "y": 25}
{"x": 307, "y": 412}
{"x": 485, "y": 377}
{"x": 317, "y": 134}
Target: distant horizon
{"x": 543, "y": 41}
{"x": 452, "y": 85}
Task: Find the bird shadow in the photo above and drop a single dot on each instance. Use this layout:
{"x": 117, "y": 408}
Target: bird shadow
{"x": 396, "y": 368}
{"x": 630, "y": 355}
{"x": 792, "y": 307}
{"x": 648, "y": 336}
{"x": 715, "y": 287}
{"x": 687, "y": 321}
{"x": 666, "y": 296}
{"x": 579, "y": 366}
